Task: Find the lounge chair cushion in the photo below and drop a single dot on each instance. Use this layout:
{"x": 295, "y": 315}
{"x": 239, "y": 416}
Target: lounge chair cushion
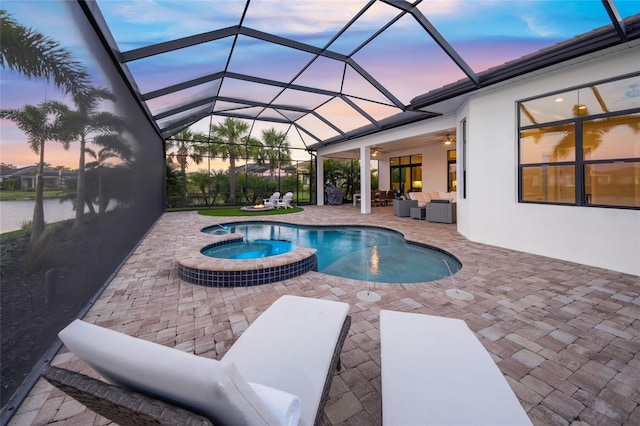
{"x": 294, "y": 340}
{"x": 214, "y": 389}
{"x": 421, "y": 197}
{"x": 434, "y": 370}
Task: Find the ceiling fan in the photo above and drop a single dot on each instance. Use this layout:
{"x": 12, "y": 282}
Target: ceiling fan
{"x": 375, "y": 152}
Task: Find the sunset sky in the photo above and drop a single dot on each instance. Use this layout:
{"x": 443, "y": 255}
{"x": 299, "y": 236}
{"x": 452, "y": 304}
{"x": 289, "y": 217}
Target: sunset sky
{"x": 403, "y": 58}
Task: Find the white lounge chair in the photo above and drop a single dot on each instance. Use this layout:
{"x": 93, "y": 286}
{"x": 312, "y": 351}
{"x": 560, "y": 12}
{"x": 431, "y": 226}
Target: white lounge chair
{"x": 435, "y": 371}
{"x": 272, "y": 201}
{"x": 281, "y": 367}
{"x": 286, "y": 201}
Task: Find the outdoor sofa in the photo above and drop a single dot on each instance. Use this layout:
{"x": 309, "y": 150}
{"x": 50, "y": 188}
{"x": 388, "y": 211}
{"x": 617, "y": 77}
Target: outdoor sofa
{"x": 423, "y": 198}
{"x": 278, "y": 371}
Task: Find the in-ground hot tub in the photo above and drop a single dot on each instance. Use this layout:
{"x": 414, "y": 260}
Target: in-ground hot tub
{"x": 249, "y": 249}
{"x": 197, "y": 268}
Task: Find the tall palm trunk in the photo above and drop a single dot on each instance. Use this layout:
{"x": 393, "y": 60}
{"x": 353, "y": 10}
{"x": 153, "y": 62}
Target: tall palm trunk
{"x": 102, "y": 203}
{"x": 232, "y": 179}
{"x": 80, "y": 188}
{"x": 37, "y": 224}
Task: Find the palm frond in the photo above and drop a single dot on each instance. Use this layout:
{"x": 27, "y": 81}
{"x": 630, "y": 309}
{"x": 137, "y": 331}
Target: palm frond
{"x": 31, "y": 53}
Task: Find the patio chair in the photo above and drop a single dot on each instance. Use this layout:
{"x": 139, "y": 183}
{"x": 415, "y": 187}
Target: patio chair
{"x": 383, "y": 198}
{"x": 375, "y": 201}
{"x": 279, "y": 369}
{"x": 286, "y": 201}
{"x": 272, "y": 201}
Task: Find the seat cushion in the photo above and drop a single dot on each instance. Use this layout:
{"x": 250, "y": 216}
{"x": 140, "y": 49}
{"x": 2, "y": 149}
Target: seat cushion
{"x": 290, "y": 347}
{"x": 205, "y": 386}
{"x": 421, "y": 197}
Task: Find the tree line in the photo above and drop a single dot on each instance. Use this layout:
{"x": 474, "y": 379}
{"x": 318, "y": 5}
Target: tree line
{"x": 230, "y": 141}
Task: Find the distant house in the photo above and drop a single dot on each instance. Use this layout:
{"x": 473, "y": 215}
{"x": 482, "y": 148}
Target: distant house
{"x": 255, "y": 169}
{"x": 264, "y": 171}
{"x": 26, "y": 177}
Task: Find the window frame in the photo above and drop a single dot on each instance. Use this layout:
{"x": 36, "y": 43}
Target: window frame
{"x": 409, "y": 166}
{"x": 582, "y": 199}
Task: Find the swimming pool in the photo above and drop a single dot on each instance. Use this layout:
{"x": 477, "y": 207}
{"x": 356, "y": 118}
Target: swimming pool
{"x": 358, "y": 252}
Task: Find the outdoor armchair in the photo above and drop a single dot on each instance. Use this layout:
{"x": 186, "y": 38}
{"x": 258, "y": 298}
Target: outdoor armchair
{"x": 272, "y": 201}
{"x": 286, "y": 201}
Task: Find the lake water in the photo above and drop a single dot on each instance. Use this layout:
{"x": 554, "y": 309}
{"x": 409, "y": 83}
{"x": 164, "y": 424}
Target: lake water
{"x": 14, "y": 213}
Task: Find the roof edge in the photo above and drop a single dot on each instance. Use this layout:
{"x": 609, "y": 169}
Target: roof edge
{"x": 584, "y": 44}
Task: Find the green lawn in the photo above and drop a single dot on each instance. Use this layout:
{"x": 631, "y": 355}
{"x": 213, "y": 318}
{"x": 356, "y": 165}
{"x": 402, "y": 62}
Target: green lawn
{"x": 27, "y": 195}
{"x": 235, "y": 211}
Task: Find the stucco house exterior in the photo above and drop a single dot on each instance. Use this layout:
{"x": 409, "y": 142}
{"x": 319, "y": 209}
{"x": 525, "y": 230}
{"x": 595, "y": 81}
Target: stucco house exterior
{"x": 492, "y": 206}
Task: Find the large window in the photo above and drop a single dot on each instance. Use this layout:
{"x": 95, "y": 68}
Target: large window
{"x": 406, "y": 173}
{"x": 582, "y": 146}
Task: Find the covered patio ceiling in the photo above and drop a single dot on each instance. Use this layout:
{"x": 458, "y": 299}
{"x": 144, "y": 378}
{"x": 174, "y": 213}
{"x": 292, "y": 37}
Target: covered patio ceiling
{"x": 326, "y": 71}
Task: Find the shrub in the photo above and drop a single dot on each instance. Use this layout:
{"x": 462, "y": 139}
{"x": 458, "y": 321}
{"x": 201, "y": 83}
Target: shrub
{"x": 12, "y": 252}
{"x": 52, "y": 244}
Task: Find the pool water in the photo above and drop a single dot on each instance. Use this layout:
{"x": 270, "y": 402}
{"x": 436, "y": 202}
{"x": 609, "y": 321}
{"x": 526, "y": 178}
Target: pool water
{"x": 249, "y": 250}
{"x": 362, "y": 253}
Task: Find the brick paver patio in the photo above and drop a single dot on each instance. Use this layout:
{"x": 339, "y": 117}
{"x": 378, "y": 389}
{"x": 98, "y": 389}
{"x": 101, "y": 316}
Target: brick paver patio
{"x": 566, "y": 336}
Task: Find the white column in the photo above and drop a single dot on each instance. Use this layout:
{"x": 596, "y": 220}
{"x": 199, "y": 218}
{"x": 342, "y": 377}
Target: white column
{"x": 365, "y": 179}
{"x": 320, "y": 181}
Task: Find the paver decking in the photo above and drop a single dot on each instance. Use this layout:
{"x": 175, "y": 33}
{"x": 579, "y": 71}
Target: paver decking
{"x": 567, "y": 336}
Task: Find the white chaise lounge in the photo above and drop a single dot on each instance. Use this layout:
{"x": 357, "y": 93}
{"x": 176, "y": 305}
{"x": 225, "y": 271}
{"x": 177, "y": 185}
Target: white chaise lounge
{"x": 436, "y": 372}
{"x": 278, "y": 371}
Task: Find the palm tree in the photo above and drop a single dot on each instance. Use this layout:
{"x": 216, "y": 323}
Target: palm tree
{"x": 232, "y": 141}
{"x": 202, "y": 181}
{"x": 182, "y": 148}
{"x": 218, "y": 180}
{"x": 113, "y": 146}
{"x": 88, "y": 124}
{"x": 41, "y": 124}
{"x": 276, "y": 151}
{"x": 174, "y": 186}
{"x": 34, "y": 55}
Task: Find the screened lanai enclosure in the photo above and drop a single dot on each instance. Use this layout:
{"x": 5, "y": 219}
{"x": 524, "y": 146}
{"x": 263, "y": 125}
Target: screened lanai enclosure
{"x": 143, "y": 105}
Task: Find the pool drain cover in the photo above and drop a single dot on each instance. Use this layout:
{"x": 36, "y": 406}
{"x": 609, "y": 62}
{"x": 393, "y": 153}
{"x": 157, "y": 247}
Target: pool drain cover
{"x": 454, "y": 293}
{"x": 368, "y": 296}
